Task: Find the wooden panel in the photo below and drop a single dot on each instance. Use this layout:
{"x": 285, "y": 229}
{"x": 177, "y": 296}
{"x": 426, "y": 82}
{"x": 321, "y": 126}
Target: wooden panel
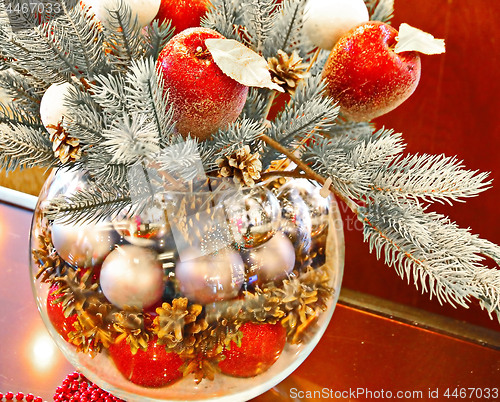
{"x": 453, "y": 111}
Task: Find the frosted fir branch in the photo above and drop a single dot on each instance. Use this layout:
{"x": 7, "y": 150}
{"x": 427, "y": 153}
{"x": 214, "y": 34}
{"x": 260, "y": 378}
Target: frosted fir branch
{"x": 24, "y": 89}
{"x": 223, "y": 17}
{"x": 100, "y": 166}
{"x": 226, "y": 141}
{"x": 85, "y": 120}
{"x": 97, "y": 203}
{"x": 309, "y": 113}
{"x": 380, "y": 10}
{"x": 123, "y": 37}
{"x": 130, "y": 139}
{"x": 108, "y": 91}
{"x": 429, "y": 178}
{"x": 355, "y": 131}
{"x": 12, "y": 114}
{"x": 255, "y": 104}
{"x": 426, "y": 248}
{"x": 181, "y": 160}
{"x": 78, "y": 32}
{"x": 156, "y": 37}
{"x": 145, "y": 94}
{"x": 258, "y": 20}
{"x": 286, "y": 33}
{"x": 23, "y": 146}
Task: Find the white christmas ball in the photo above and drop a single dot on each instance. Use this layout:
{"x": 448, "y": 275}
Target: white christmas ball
{"x": 83, "y": 244}
{"x": 209, "y": 278}
{"x": 325, "y": 21}
{"x": 145, "y": 10}
{"x": 52, "y": 108}
{"x": 272, "y": 261}
{"x": 132, "y": 276}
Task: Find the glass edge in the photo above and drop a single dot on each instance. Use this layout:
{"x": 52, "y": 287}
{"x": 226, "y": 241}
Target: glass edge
{"x": 17, "y": 198}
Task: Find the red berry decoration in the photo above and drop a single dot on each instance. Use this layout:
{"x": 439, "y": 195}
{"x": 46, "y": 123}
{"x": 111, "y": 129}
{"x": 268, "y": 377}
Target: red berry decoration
{"x": 261, "y": 346}
{"x": 76, "y": 387}
{"x": 153, "y": 368}
{"x": 366, "y": 76}
{"x": 203, "y": 98}
{"x": 183, "y": 13}
{"x": 63, "y": 325}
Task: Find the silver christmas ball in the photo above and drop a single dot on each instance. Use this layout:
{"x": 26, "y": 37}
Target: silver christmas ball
{"x": 132, "y": 276}
{"x": 271, "y": 261}
{"x": 296, "y": 222}
{"x": 317, "y": 204}
{"x": 253, "y": 216}
{"x": 208, "y": 278}
{"x": 83, "y": 244}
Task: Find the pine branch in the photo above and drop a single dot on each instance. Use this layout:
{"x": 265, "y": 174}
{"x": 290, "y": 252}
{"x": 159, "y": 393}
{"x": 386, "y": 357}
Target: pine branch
{"x": 146, "y": 94}
{"x": 123, "y": 37}
{"x": 223, "y": 18}
{"x": 380, "y": 10}
{"x": 156, "y": 36}
{"x": 440, "y": 257}
{"x": 286, "y": 32}
{"x": 97, "y": 203}
{"x": 86, "y": 119}
{"x": 429, "y": 178}
{"x": 256, "y": 104}
{"x": 309, "y": 113}
{"x": 181, "y": 161}
{"x": 258, "y": 20}
{"x": 11, "y": 114}
{"x": 22, "y": 88}
{"x": 23, "y": 146}
{"x": 130, "y": 139}
{"x": 226, "y": 141}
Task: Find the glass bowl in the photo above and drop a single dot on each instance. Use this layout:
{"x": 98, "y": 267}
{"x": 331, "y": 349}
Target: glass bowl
{"x": 211, "y": 295}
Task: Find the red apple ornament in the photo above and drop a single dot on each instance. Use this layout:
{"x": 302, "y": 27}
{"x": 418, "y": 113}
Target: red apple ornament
{"x": 153, "y": 368}
{"x": 203, "y": 98}
{"x": 366, "y": 76}
{"x": 63, "y": 325}
{"x": 183, "y": 13}
{"x": 261, "y": 346}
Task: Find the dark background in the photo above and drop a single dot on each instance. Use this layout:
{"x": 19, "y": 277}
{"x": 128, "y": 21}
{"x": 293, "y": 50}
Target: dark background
{"x": 453, "y": 111}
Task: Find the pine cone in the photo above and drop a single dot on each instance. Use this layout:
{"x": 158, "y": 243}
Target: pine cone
{"x": 177, "y": 325}
{"x": 50, "y": 265}
{"x": 242, "y": 166}
{"x": 287, "y": 71}
{"x": 93, "y": 329}
{"x": 261, "y": 307}
{"x": 129, "y": 324}
{"x": 65, "y": 148}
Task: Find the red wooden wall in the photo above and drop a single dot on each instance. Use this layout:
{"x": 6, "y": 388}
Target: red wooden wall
{"x": 453, "y": 111}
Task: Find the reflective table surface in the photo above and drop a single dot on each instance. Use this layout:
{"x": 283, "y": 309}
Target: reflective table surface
{"x": 371, "y": 350}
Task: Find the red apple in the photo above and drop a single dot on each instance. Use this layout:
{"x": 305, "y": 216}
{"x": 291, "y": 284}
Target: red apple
{"x": 261, "y": 346}
{"x": 183, "y": 13}
{"x": 203, "y": 98}
{"x": 63, "y": 325}
{"x": 366, "y": 76}
{"x": 153, "y": 368}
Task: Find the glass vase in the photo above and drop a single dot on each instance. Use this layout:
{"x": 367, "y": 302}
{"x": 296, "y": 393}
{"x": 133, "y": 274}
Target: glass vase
{"x": 208, "y": 295}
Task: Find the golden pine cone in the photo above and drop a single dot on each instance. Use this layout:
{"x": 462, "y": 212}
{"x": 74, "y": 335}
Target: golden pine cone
{"x": 65, "y": 148}
{"x": 243, "y": 166}
{"x": 287, "y": 70}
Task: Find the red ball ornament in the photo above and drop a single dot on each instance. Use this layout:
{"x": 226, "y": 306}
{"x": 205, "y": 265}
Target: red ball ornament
{"x": 63, "y": 325}
{"x": 154, "y": 367}
{"x": 261, "y": 346}
{"x": 364, "y": 74}
{"x": 204, "y": 99}
{"x": 183, "y": 13}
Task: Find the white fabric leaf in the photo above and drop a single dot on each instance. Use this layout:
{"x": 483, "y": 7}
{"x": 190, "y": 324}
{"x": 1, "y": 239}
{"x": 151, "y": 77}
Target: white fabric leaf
{"x": 413, "y": 39}
{"x": 241, "y": 63}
